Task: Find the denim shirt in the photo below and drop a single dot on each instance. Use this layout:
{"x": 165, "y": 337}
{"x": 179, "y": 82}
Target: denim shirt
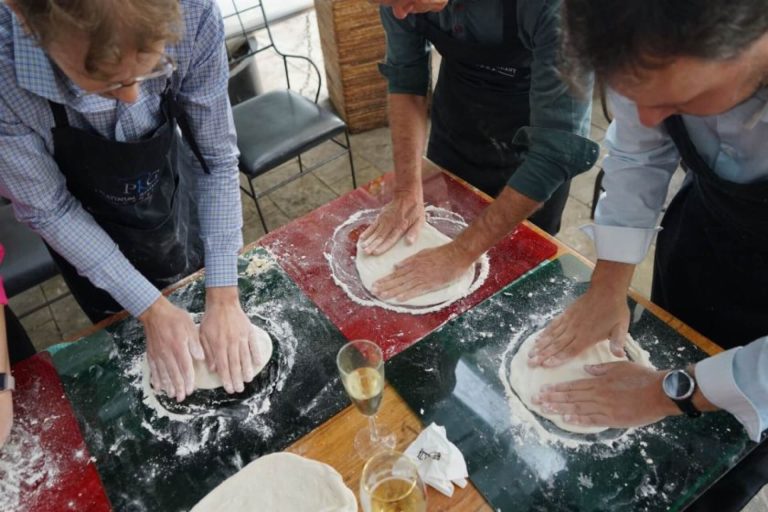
{"x": 555, "y": 145}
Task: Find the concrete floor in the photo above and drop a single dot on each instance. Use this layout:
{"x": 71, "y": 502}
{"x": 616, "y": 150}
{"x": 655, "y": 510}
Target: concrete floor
{"x": 373, "y": 157}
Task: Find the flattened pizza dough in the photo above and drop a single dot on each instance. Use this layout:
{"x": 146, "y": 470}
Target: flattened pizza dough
{"x": 206, "y": 379}
{"x": 281, "y": 482}
{"x": 527, "y": 381}
{"x": 373, "y": 268}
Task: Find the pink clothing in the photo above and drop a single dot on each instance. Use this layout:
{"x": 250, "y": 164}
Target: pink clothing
{"x": 3, "y": 298}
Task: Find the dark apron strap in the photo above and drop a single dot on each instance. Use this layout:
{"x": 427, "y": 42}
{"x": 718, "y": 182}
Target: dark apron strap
{"x": 510, "y": 51}
{"x": 59, "y": 114}
{"x": 181, "y": 117}
{"x": 174, "y": 109}
{"x": 694, "y": 161}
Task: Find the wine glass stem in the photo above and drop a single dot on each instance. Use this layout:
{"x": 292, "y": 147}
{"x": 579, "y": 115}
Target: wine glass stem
{"x": 372, "y": 428}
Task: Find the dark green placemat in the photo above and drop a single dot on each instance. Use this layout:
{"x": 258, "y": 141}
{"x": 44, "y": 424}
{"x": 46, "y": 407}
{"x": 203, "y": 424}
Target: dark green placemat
{"x": 151, "y": 463}
{"x": 452, "y": 378}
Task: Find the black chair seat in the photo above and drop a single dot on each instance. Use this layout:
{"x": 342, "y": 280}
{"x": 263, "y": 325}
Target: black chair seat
{"x": 277, "y": 126}
{"x": 27, "y": 262}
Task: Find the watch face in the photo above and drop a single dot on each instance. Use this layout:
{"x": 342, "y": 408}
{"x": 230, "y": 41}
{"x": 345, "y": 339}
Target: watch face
{"x": 678, "y": 385}
{"x": 4, "y": 381}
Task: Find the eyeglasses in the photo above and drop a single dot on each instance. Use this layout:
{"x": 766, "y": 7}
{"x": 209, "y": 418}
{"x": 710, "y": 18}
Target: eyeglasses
{"x": 164, "y": 68}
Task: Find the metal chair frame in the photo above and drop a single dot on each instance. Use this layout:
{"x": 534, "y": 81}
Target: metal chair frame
{"x": 251, "y": 50}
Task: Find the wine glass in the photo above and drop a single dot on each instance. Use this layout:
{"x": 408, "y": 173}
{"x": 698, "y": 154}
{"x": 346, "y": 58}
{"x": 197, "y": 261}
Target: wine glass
{"x": 391, "y": 483}
{"x": 361, "y": 365}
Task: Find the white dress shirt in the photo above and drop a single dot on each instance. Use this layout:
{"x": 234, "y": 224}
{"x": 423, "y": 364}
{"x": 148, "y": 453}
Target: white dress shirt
{"x": 638, "y": 168}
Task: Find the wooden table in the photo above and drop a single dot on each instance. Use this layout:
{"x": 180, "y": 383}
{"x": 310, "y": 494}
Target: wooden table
{"x": 332, "y": 442}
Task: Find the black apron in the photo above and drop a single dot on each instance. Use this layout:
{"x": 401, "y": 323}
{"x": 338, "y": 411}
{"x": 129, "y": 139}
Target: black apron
{"x": 481, "y": 100}
{"x": 139, "y": 194}
{"x": 711, "y": 267}
{"x": 711, "y": 271}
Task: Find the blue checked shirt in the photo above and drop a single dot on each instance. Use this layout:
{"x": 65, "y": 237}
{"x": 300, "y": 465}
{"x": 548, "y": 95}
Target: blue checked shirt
{"x": 30, "y": 177}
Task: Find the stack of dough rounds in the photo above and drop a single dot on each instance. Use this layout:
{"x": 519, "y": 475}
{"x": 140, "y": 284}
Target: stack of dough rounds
{"x": 281, "y": 482}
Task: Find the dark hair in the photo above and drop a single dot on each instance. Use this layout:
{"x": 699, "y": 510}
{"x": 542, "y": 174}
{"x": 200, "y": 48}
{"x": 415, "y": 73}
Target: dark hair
{"x": 610, "y": 36}
{"x": 103, "y": 22}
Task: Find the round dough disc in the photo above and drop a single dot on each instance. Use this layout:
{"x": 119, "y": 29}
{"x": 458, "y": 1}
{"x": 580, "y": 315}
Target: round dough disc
{"x": 206, "y": 379}
{"x": 372, "y": 268}
{"x": 259, "y": 339}
{"x": 527, "y": 381}
{"x": 281, "y": 482}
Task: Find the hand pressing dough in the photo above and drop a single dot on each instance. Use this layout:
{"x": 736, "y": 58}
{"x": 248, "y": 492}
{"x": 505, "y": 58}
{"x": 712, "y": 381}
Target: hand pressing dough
{"x": 281, "y": 482}
{"x": 261, "y": 344}
{"x": 527, "y": 381}
{"x": 372, "y": 268}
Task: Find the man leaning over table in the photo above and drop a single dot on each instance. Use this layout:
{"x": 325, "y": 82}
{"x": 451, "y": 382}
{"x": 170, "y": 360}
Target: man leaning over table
{"x": 502, "y": 119}
{"x": 91, "y": 94}
{"x": 688, "y": 80}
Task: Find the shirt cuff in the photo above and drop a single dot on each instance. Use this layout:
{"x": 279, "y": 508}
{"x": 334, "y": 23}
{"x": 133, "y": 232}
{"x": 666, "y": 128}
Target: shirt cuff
{"x": 220, "y": 270}
{"x": 718, "y": 384}
{"x": 126, "y": 285}
{"x": 550, "y": 158}
{"x": 621, "y": 243}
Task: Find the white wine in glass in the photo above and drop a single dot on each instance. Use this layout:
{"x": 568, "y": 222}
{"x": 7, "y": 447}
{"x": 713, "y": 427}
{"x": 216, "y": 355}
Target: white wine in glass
{"x": 391, "y": 483}
{"x": 361, "y": 366}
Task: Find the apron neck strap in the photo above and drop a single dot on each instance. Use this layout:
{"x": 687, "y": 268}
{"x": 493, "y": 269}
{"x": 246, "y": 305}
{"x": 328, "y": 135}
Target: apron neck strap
{"x": 60, "y": 118}
{"x": 176, "y": 112}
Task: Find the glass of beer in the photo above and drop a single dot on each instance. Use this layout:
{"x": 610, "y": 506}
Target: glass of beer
{"x": 361, "y": 366}
{"x": 391, "y": 483}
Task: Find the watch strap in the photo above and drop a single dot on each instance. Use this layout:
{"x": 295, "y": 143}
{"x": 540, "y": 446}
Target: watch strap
{"x": 686, "y": 405}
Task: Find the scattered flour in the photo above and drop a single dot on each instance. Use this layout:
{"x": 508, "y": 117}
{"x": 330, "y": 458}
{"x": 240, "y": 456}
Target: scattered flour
{"x": 25, "y": 468}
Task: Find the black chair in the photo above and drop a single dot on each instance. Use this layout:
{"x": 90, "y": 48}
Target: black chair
{"x": 27, "y": 261}
{"x": 277, "y": 126}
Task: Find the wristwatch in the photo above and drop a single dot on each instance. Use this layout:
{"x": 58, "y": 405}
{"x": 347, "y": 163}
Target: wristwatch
{"x": 6, "y": 382}
{"x": 679, "y": 386}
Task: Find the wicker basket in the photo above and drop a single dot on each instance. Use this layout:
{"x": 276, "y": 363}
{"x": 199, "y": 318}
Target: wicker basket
{"x": 353, "y": 44}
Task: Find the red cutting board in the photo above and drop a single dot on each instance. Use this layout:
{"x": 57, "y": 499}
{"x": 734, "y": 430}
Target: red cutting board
{"x": 299, "y": 246}
{"x": 49, "y": 459}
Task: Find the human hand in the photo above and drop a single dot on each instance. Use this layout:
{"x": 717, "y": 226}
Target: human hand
{"x": 425, "y": 271}
{"x": 172, "y": 342}
{"x": 6, "y": 416}
{"x": 620, "y": 395}
{"x": 595, "y": 316}
{"x": 227, "y": 337}
{"x": 403, "y": 8}
{"x": 403, "y": 216}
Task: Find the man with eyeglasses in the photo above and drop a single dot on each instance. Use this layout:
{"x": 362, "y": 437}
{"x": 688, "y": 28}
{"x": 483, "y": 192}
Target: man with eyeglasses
{"x": 502, "y": 119}
{"x": 92, "y": 93}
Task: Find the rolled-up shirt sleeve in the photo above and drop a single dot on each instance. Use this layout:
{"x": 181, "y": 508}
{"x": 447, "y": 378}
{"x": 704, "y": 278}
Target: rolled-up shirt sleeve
{"x": 638, "y": 169}
{"x": 406, "y": 66}
{"x": 555, "y": 147}
{"x": 737, "y": 381}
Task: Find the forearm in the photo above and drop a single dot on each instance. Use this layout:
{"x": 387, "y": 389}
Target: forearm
{"x": 76, "y": 236}
{"x": 408, "y": 125}
{"x": 500, "y": 218}
{"x": 612, "y": 277}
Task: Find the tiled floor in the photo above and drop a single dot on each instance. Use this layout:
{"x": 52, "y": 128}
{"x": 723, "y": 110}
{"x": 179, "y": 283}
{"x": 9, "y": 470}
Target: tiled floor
{"x": 373, "y": 157}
